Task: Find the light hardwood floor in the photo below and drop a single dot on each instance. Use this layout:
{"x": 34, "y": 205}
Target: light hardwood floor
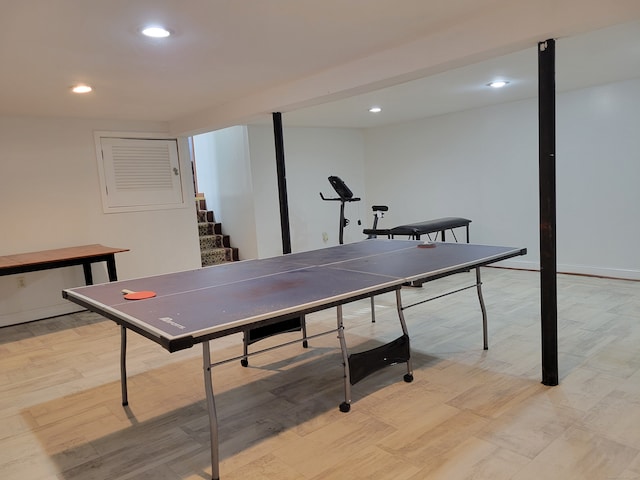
{"x": 469, "y": 413}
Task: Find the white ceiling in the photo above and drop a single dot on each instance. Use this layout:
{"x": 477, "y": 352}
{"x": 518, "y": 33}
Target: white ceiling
{"x": 233, "y": 62}
{"x": 604, "y": 56}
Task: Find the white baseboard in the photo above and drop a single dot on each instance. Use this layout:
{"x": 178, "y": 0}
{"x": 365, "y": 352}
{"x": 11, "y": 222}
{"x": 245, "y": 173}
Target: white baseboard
{"x": 574, "y": 269}
{"x": 38, "y": 314}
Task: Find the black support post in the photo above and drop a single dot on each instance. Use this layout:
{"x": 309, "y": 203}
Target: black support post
{"x": 547, "y": 181}
{"x": 282, "y": 183}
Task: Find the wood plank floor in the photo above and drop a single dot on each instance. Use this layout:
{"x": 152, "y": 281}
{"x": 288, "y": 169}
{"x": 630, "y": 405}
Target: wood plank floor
{"x": 469, "y": 413}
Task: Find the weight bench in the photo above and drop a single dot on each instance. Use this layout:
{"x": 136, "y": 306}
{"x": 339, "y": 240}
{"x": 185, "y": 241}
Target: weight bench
{"x": 415, "y": 230}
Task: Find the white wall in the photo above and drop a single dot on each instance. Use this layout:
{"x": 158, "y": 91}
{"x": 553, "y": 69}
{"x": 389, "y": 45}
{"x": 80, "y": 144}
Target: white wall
{"x": 598, "y": 174}
{"x": 237, "y": 171}
{"x": 50, "y": 197}
{"x": 479, "y": 164}
{"x": 483, "y": 164}
{"x": 311, "y": 156}
{"x": 224, "y": 176}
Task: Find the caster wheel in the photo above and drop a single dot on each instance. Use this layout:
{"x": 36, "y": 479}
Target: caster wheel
{"x": 345, "y": 407}
{"x": 305, "y": 344}
{"x": 408, "y": 378}
{"x": 244, "y": 362}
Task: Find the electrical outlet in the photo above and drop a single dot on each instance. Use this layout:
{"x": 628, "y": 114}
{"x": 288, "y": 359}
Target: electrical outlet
{"x": 21, "y": 282}
{"x": 325, "y": 237}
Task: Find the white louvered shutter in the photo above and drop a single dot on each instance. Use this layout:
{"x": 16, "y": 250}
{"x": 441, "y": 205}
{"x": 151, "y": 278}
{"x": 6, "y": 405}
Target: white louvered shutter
{"x": 140, "y": 173}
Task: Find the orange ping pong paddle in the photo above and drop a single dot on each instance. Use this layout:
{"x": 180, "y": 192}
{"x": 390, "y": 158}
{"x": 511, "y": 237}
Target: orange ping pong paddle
{"x": 131, "y": 295}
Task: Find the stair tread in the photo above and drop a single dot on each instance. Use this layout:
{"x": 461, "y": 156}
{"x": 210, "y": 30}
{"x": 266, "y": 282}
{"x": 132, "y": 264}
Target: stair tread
{"x": 214, "y": 235}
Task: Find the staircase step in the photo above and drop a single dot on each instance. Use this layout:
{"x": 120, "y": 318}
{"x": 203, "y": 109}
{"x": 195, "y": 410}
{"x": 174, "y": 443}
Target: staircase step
{"x": 215, "y": 247}
{"x": 207, "y": 242}
{"x": 208, "y": 228}
{"x": 206, "y": 216}
{"x": 216, "y": 256}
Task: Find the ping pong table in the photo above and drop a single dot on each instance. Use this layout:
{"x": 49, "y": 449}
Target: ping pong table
{"x": 201, "y": 305}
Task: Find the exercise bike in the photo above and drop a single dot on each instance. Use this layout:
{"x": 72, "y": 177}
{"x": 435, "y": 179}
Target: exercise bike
{"x": 346, "y": 195}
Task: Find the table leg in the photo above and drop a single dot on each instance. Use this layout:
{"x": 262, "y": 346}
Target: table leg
{"x": 346, "y": 405}
{"x": 303, "y": 326}
{"x": 88, "y": 276}
{"x": 485, "y": 334}
{"x": 211, "y": 407}
{"x": 123, "y": 365}
{"x": 111, "y": 268}
{"x": 373, "y": 309}
{"x": 409, "y": 375}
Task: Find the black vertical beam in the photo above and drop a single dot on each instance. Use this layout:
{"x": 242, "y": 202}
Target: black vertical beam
{"x": 547, "y": 180}
{"x": 282, "y": 183}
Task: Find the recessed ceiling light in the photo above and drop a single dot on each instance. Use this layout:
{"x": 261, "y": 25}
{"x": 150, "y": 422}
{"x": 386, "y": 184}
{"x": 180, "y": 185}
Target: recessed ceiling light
{"x": 375, "y": 109}
{"x": 81, "y": 89}
{"x": 156, "y": 32}
{"x": 498, "y": 84}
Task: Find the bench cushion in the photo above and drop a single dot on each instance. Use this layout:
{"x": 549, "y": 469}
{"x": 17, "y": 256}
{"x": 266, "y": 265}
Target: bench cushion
{"x": 430, "y": 226}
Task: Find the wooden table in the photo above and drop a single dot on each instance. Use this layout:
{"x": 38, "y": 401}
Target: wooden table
{"x": 83, "y": 255}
